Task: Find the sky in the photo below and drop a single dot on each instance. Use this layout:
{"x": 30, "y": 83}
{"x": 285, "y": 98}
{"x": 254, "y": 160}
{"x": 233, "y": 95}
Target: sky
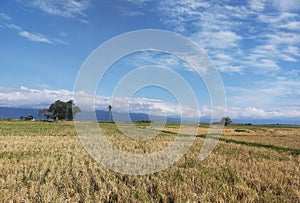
{"x": 254, "y": 44}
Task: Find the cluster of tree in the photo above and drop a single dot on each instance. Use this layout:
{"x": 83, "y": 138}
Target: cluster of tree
{"x": 60, "y": 110}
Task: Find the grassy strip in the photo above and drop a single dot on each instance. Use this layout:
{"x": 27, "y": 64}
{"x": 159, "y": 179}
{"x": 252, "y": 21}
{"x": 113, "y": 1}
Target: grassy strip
{"x": 254, "y": 144}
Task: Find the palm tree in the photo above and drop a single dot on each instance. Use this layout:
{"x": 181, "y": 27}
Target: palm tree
{"x": 109, "y": 112}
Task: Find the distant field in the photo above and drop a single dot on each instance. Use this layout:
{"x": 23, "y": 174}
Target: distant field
{"x": 45, "y": 162}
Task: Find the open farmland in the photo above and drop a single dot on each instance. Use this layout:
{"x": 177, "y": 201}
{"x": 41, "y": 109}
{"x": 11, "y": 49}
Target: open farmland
{"x": 45, "y": 162}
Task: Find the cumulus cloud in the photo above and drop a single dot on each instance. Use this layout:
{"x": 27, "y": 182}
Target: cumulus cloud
{"x": 32, "y": 98}
{"x": 136, "y": 105}
{"x": 251, "y": 112}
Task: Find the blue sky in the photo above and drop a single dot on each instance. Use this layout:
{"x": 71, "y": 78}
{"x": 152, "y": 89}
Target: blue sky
{"x": 254, "y": 44}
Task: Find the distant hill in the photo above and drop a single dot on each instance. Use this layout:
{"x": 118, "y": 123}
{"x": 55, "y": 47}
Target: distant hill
{"x": 16, "y": 113}
{"x": 104, "y": 116}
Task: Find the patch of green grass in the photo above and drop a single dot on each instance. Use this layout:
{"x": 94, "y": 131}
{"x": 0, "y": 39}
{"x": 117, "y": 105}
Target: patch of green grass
{"x": 260, "y": 145}
{"x": 268, "y": 146}
{"x": 263, "y": 126}
{"x": 37, "y": 128}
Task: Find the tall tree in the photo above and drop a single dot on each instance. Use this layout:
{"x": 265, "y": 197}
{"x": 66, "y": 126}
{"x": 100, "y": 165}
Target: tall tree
{"x": 58, "y": 110}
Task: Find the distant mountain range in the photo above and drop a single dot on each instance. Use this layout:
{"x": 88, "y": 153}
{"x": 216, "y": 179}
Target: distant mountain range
{"x": 16, "y": 113}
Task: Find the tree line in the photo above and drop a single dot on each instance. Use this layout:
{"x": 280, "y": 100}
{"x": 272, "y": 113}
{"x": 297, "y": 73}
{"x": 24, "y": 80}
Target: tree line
{"x": 60, "y": 110}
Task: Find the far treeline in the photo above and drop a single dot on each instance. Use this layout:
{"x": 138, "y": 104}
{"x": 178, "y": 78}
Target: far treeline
{"x": 60, "y": 110}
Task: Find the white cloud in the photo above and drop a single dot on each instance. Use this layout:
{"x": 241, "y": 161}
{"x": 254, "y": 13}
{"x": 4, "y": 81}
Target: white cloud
{"x": 180, "y": 13}
{"x": 230, "y": 68}
{"x": 262, "y": 65}
{"x": 283, "y": 38}
{"x": 293, "y": 50}
{"x": 210, "y": 25}
{"x": 217, "y": 39}
{"x": 274, "y": 20}
{"x": 26, "y": 97}
{"x": 161, "y": 59}
{"x": 35, "y": 37}
{"x": 132, "y": 8}
{"x": 13, "y": 27}
{"x": 287, "y": 5}
{"x": 274, "y": 49}
{"x": 278, "y": 40}
{"x": 253, "y": 113}
{"x": 280, "y": 5}
{"x": 84, "y": 21}
{"x": 64, "y": 8}
{"x": 239, "y": 37}
{"x": 4, "y": 16}
{"x": 136, "y": 105}
{"x": 33, "y": 98}
{"x": 128, "y": 12}
{"x": 223, "y": 56}
{"x": 292, "y": 25}
{"x": 138, "y": 1}
{"x": 257, "y": 5}
{"x": 269, "y": 93}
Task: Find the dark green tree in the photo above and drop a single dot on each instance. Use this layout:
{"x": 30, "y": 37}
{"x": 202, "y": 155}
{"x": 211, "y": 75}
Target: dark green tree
{"x": 60, "y": 110}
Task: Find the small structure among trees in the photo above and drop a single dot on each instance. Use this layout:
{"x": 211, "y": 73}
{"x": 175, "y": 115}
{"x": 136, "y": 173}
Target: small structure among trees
{"x": 60, "y": 110}
{"x": 226, "y": 121}
{"x": 27, "y": 118}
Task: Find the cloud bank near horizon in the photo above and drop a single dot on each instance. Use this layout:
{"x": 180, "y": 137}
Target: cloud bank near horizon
{"x": 24, "y": 97}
